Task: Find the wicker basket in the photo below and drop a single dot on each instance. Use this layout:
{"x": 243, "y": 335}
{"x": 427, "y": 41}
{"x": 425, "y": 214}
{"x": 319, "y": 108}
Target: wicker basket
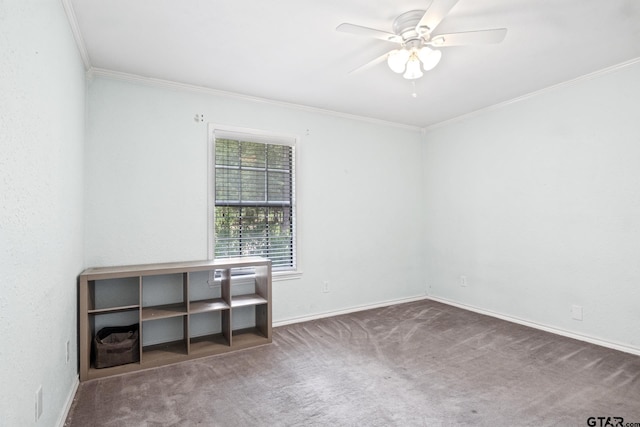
{"x": 117, "y": 345}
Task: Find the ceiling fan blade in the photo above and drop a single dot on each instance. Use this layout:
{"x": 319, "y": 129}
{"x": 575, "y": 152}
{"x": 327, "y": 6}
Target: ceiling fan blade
{"x": 359, "y": 30}
{"x": 434, "y": 15}
{"x": 469, "y": 38}
{"x": 370, "y": 64}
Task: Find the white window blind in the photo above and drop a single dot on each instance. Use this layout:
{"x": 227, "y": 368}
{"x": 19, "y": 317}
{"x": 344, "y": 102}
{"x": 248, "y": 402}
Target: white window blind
{"x": 254, "y": 199}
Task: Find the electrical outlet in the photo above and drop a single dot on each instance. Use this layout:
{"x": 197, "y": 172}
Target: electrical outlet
{"x": 212, "y": 278}
{"x": 463, "y": 281}
{"x": 38, "y": 403}
{"x": 576, "y": 312}
{"x": 68, "y": 355}
{"x": 325, "y": 286}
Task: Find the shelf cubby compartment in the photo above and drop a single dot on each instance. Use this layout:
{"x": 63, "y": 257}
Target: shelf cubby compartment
{"x": 250, "y": 323}
{"x": 206, "y": 295}
{"x": 111, "y": 295}
{"x": 210, "y": 331}
{"x": 249, "y": 289}
{"x": 99, "y": 320}
{"x": 164, "y": 337}
{"x": 165, "y": 295}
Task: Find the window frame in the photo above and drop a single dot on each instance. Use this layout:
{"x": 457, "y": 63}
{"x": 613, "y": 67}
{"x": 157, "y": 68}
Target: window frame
{"x": 259, "y": 136}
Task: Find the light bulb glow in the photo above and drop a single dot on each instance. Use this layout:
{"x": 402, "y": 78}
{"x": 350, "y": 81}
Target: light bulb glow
{"x": 429, "y": 57}
{"x": 397, "y": 60}
{"x": 413, "y": 68}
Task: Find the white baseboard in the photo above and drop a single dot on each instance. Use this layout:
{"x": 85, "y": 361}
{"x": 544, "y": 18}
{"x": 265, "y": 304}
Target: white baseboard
{"x": 67, "y": 406}
{"x": 346, "y": 311}
{"x": 562, "y": 332}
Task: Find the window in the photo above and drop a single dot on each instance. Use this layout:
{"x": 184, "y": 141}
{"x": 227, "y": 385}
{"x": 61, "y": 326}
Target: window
{"x": 254, "y": 209}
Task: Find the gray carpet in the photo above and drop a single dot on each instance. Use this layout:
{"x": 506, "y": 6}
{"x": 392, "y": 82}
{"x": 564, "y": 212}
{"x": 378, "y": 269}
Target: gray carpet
{"x": 416, "y": 364}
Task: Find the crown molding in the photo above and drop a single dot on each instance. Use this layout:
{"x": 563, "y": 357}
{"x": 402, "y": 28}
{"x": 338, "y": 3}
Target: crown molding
{"x": 77, "y": 35}
{"x": 92, "y": 71}
{"x": 151, "y": 81}
{"x": 567, "y": 83}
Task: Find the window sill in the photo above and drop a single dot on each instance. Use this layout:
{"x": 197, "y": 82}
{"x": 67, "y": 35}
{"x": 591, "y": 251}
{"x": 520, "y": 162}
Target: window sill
{"x": 279, "y": 276}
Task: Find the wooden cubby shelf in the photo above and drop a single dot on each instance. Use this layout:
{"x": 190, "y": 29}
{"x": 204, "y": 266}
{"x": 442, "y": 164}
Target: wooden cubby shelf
{"x": 204, "y": 306}
{"x": 247, "y": 300}
{"x": 183, "y": 309}
{"x": 114, "y": 309}
{"x": 163, "y": 311}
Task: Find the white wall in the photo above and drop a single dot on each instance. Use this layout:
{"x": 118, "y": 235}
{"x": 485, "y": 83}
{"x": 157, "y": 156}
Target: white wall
{"x": 538, "y": 204}
{"x": 358, "y": 191}
{"x": 42, "y": 88}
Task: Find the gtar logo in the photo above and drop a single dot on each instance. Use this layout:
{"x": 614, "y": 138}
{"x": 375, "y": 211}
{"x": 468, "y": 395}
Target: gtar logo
{"x": 605, "y": 421}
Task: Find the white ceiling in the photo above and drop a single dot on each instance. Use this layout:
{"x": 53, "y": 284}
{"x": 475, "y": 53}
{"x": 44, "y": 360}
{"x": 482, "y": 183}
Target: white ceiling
{"x": 289, "y": 50}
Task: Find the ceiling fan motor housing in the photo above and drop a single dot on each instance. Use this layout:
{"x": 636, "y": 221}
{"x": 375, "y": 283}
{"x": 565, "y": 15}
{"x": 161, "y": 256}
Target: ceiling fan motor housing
{"x": 405, "y": 26}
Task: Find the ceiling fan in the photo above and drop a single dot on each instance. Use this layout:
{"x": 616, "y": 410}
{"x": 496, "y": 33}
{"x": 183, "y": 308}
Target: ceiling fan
{"x": 413, "y": 31}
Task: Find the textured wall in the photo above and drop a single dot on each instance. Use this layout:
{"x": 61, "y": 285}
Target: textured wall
{"x": 538, "y": 204}
{"x": 42, "y": 92}
{"x": 358, "y": 192}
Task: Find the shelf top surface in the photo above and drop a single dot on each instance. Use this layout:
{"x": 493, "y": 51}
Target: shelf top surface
{"x": 244, "y": 300}
{"x": 175, "y": 267}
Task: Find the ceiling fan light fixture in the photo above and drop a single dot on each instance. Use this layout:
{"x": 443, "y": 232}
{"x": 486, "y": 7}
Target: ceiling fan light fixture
{"x": 419, "y": 48}
{"x": 413, "y": 69}
{"x": 397, "y": 60}
{"x": 429, "y": 57}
